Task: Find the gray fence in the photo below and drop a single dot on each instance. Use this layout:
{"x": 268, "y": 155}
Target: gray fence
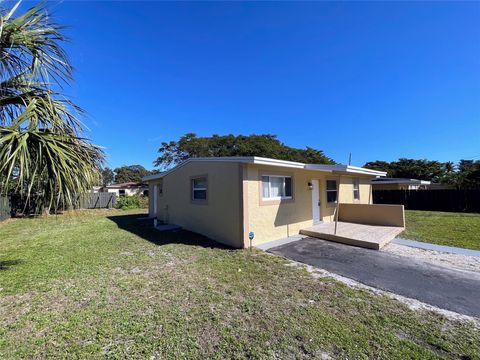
{"x": 5, "y": 210}
{"x": 23, "y": 206}
{"x": 434, "y": 200}
{"x": 99, "y": 200}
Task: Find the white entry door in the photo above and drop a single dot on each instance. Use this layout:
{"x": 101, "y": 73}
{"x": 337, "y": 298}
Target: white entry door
{"x": 315, "y": 202}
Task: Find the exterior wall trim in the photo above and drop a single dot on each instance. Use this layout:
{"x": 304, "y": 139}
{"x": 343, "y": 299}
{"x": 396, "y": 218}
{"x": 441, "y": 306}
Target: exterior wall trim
{"x": 243, "y": 187}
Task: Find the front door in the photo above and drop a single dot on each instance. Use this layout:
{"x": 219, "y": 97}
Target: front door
{"x": 315, "y": 202}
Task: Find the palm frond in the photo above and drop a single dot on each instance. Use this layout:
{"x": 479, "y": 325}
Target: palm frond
{"x": 41, "y": 143}
{"x": 24, "y": 102}
{"x": 59, "y": 164}
{"x": 32, "y": 40}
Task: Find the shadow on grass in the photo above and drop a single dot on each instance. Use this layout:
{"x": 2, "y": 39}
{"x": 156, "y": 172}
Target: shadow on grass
{"x": 144, "y": 229}
{"x": 7, "y": 264}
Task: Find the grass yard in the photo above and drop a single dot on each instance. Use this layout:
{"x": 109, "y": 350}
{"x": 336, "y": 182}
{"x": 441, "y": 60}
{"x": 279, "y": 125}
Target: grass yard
{"x": 100, "y": 284}
{"x": 443, "y": 228}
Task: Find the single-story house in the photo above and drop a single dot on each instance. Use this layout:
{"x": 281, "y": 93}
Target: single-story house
{"x": 127, "y": 189}
{"x": 384, "y": 183}
{"x": 229, "y": 199}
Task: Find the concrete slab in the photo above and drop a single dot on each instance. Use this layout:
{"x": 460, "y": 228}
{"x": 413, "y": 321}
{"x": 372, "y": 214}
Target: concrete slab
{"x": 435, "y": 247}
{"x": 279, "y": 242}
{"x": 168, "y": 227}
{"x": 142, "y": 218}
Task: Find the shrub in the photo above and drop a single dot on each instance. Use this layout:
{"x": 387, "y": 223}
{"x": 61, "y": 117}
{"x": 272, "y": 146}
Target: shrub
{"x": 143, "y": 202}
{"x": 132, "y": 202}
{"x": 128, "y": 202}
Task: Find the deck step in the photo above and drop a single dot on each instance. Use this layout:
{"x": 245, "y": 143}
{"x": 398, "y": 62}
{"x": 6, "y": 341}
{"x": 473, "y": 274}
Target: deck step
{"x": 366, "y": 236}
{"x": 341, "y": 239}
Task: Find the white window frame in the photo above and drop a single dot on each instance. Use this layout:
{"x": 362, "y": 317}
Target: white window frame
{"x": 356, "y": 182}
{"x": 270, "y": 187}
{"x": 327, "y": 190}
{"x": 199, "y": 188}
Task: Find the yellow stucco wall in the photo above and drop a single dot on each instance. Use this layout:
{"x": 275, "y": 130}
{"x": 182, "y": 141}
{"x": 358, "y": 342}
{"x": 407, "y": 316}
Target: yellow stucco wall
{"x": 270, "y": 221}
{"x": 346, "y": 193}
{"x": 234, "y": 205}
{"x": 218, "y": 218}
{"x": 377, "y": 214}
{"x": 281, "y": 219}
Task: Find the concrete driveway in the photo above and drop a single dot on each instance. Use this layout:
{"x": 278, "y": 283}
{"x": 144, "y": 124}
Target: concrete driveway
{"x": 453, "y": 290}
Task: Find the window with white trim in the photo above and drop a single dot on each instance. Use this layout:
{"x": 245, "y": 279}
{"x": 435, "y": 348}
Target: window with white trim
{"x": 199, "y": 188}
{"x": 276, "y": 187}
{"x": 331, "y": 191}
{"x": 356, "y": 189}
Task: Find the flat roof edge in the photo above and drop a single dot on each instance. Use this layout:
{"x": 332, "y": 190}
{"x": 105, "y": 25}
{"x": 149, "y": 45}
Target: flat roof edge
{"x": 272, "y": 162}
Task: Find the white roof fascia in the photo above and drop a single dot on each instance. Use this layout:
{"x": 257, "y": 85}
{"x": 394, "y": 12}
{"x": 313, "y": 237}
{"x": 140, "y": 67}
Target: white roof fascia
{"x": 273, "y": 162}
{"x": 361, "y": 170}
{"x": 276, "y": 162}
{"x": 345, "y": 169}
{"x": 407, "y": 181}
{"x": 152, "y": 177}
{"x": 241, "y": 159}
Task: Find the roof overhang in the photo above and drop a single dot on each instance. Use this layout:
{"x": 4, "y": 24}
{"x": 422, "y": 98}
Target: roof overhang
{"x": 345, "y": 169}
{"x": 400, "y": 181}
{"x": 337, "y": 169}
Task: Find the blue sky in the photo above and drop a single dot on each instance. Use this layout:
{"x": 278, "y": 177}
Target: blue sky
{"x": 380, "y": 80}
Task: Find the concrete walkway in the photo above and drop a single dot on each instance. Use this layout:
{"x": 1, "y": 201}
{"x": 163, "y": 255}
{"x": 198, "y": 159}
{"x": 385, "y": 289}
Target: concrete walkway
{"x": 435, "y": 247}
{"x": 457, "y": 291}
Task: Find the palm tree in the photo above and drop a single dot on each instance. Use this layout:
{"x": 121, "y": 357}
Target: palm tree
{"x": 42, "y": 148}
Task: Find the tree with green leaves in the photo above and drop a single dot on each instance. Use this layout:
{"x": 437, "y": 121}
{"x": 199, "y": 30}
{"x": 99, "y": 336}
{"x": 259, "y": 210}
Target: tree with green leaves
{"x": 266, "y": 145}
{"x": 130, "y": 173}
{"x": 465, "y": 175}
{"x": 469, "y": 171}
{"x": 108, "y": 176}
{"x": 379, "y": 165}
{"x": 422, "y": 169}
{"x": 42, "y": 146}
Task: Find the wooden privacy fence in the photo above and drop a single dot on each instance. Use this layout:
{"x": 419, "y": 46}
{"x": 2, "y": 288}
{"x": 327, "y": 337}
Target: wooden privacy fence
{"x": 99, "y": 200}
{"x": 5, "y": 210}
{"x": 22, "y": 206}
{"x": 434, "y": 200}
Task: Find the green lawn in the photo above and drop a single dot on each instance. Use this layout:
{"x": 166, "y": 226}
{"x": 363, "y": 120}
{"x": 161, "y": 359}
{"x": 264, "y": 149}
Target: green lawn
{"x": 443, "y": 228}
{"x": 102, "y": 285}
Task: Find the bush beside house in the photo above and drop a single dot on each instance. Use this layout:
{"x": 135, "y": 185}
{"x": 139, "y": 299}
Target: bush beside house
{"x": 132, "y": 202}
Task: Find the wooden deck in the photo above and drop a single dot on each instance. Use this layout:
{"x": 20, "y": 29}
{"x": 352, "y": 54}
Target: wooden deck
{"x": 367, "y": 236}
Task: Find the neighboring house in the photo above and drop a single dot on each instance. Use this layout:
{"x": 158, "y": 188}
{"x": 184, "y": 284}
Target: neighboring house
{"x": 227, "y": 198}
{"x": 127, "y": 189}
{"x": 384, "y": 183}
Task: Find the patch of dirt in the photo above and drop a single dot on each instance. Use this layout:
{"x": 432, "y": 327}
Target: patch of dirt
{"x": 14, "y": 306}
{"x": 208, "y": 340}
{"x": 135, "y": 270}
{"x": 451, "y": 261}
